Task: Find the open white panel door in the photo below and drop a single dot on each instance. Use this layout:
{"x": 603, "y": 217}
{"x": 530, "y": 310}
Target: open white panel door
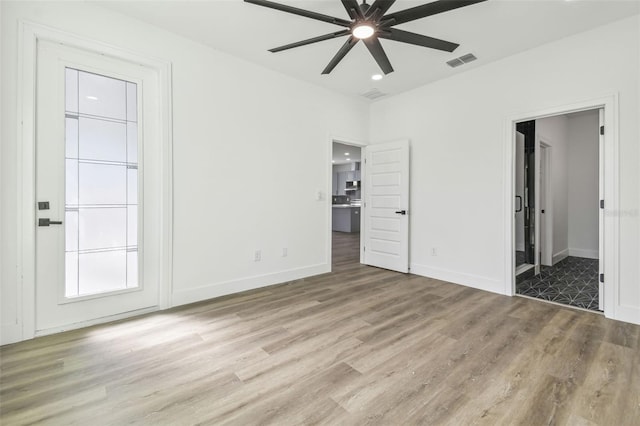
{"x": 601, "y": 212}
{"x": 386, "y": 222}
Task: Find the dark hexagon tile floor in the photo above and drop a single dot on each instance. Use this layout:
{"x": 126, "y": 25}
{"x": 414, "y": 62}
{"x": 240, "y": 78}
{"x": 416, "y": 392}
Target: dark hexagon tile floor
{"x": 572, "y": 281}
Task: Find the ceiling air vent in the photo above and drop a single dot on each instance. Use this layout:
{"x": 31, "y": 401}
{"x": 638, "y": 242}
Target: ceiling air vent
{"x": 373, "y": 94}
{"x": 464, "y": 59}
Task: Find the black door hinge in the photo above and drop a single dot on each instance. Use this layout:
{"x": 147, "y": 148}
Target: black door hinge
{"x": 602, "y": 278}
{"x": 602, "y": 204}
{"x": 602, "y": 130}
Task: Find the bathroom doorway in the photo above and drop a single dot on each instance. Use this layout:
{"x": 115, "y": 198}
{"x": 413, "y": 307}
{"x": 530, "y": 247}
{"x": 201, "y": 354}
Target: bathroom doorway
{"x": 558, "y": 215}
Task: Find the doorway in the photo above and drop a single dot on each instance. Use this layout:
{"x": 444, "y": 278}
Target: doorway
{"x": 346, "y": 204}
{"x": 558, "y": 238}
{"x": 94, "y": 183}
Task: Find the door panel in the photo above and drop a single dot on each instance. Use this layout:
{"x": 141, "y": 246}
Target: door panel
{"x": 386, "y": 196}
{"x": 88, "y": 143}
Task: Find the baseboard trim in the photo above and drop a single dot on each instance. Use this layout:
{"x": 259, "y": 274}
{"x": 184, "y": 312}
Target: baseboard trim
{"x": 557, "y": 257}
{"x": 10, "y": 333}
{"x": 103, "y": 320}
{"x": 468, "y": 280}
{"x": 589, "y": 254}
{"x": 198, "y": 294}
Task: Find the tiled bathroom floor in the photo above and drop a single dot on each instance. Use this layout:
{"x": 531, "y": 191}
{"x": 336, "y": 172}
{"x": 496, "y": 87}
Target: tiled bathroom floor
{"x": 572, "y": 281}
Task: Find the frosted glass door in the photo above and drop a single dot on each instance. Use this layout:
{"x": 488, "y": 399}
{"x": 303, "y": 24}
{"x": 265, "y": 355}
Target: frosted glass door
{"x": 101, "y": 184}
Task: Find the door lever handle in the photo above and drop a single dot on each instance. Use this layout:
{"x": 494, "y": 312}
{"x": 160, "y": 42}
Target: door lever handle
{"x": 402, "y": 212}
{"x": 45, "y": 221}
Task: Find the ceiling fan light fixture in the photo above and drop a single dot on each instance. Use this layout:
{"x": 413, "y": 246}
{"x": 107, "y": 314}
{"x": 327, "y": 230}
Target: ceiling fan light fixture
{"x": 363, "y": 31}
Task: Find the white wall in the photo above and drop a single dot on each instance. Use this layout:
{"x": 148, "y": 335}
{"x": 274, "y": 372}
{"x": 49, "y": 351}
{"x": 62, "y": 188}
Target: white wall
{"x": 245, "y": 139}
{"x": 457, "y": 129}
{"x": 553, "y": 131}
{"x": 582, "y": 166}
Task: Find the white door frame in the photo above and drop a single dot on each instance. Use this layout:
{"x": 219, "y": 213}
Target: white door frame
{"x": 329, "y": 192}
{"x": 28, "y": 35}
{"x": 611, "y": 190}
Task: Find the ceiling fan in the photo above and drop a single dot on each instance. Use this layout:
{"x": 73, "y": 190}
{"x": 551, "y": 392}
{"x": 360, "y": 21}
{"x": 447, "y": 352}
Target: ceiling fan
{"x": 369, "y": 24}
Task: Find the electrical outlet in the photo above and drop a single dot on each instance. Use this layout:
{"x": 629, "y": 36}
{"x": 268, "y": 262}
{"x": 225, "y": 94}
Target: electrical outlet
{"x": 434, "y": 251}
{"x": 285, "y": 252}
{"x": 257, "y": 256}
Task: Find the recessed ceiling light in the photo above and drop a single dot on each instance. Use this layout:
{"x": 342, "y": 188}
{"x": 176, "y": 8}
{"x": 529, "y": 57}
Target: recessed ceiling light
{"x": 93, "y": 98}
{"x": 363, "y": 31}
{"x": 348, "y": 159}
{"x": 346, "y": 153}
{"x": 376, "y": 77}
{"x": 333, "y": 161}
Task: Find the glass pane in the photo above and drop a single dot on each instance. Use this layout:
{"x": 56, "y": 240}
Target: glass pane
{"x": 71, "y": 137}
{"x": 71, "y": 230}
{"x": 132, "y": 226}
{"x": 71, "y": 183}
{"x": 102, "y": 271}
{"x": 102, "y": 184}
{"x": 103, "y": 228}
{"x": 103, "y": 140}
{"x": 132, "y": 102}
{"x": 132, "y": 143}
{"x": 71, "y": 90}
{"x": 71, "y": 274}
{"x": 102, "y": 96}
{"x": 132, "y": 269}
{"x": 99, "y": 143}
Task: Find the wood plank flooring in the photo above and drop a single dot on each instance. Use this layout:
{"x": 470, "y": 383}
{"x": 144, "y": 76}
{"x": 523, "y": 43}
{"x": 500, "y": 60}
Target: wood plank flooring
{"x": 358, "y": 346}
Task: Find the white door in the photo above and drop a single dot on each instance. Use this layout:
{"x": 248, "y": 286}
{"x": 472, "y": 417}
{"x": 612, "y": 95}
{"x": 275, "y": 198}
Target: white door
{"x": 601, "y": 213}
{"x": 546, "y": 240}
{"x": 93, "y": 242}
{"x": 386, "y": 208}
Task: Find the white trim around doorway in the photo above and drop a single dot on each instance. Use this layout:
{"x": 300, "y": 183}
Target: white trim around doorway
{"x": 28, "y": 37}
{"x": 329, "y": 192}
{"x": 611, "y": 190}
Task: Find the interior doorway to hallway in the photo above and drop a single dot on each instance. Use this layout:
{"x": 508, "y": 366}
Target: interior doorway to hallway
{"x": 558, "y": 185}
{"x": 346, "y": 203}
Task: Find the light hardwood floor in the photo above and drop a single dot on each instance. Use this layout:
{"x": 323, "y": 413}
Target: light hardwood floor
{"x": 358, "y": 346}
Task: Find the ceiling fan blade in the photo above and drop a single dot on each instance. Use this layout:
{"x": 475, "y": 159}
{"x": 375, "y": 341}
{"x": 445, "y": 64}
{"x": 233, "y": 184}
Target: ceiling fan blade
{"x": 417, "y": 39}
{"x": 381, "y": 5}
{"x": 346, "y": 47}
{"x": 311, "y": 41}
{"x": 301, "y": 12}
{"x": 427, "y": 10}
{"x": 353, "y": 9}
{"x": 374, "y": 46}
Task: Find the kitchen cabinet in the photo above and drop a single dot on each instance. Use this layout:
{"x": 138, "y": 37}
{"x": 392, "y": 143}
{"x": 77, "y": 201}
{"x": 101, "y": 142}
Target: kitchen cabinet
{"x": 342, "y": 183}
{"x": 341, "y": 177}
{"x": 346, "y": 218}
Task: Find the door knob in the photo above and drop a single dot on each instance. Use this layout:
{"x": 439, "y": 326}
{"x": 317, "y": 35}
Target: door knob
{"x": 402, "y": 212}
{"x": 45, "y": 221}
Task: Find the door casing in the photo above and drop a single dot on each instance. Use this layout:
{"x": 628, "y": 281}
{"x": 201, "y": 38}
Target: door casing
{"x": 610, "y": 258}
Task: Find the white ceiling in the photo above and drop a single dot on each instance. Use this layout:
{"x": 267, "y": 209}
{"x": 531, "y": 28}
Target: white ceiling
{"x": 340, "y": 152}
{"x": 491, "y": 30}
